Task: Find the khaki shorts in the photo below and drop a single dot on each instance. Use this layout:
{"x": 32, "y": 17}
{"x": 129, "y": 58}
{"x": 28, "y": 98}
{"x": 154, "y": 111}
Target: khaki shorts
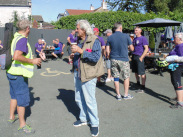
{"x": 118, "y": 66}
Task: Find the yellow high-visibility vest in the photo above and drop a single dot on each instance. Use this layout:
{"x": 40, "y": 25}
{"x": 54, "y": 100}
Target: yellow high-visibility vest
{"x": 19, "y": 68}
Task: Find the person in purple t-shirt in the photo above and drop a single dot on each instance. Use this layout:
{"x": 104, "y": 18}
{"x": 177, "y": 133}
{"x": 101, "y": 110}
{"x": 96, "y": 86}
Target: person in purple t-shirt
{"x": 176, "y": 74}
{"x": 102, "y": 42}
{"x": 71, "y": 39}
{"x": 63, "y": 45}
{"x": 1, "y": 45}
{"x": 140, "y": 44}
{"x": 39, "y": 49}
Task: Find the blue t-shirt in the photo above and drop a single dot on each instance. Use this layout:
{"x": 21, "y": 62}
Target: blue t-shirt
{"x": 119, "y": 43}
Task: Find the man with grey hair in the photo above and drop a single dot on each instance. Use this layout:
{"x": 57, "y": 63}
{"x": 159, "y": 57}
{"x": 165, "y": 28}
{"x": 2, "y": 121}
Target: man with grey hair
{"x": 117, "y": 45}
{"x": 88, "y": 65}
{"x": 108, "y": 32}
{"x": 18, "y": 74}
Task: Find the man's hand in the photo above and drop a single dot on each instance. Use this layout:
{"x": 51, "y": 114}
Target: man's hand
{"x": 72, "y": 55}
{"x": 36, "y": 61}
{"x": 141, "y": 59}
{"x": 76, "y": 48}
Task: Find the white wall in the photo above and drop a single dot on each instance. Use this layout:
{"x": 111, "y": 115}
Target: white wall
{"x": 6, "y": 13}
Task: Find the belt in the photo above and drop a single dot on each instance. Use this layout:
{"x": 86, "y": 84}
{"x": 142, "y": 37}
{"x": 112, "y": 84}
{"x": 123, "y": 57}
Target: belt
{"x": 76, "y": 69}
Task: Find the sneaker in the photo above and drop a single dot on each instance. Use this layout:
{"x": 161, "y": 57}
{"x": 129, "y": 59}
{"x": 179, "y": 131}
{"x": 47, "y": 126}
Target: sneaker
{"x": 11, "y": 121}
{"x": 118, "y": 97}
{"x": 79, "y": 123}
{"x": 139, "y": 91}
{"x": 27, "y": 129}
{"x": 176, "y": 106}
{"x": 108, "y": 80}
{"x": 128, "y": 97}
{"x": 55, "y": 59}
{"x": 95, "y": 131}
{"x": 112, "y": 79}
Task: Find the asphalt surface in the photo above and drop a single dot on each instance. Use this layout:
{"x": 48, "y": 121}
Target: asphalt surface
{"x": 53, "y": 110}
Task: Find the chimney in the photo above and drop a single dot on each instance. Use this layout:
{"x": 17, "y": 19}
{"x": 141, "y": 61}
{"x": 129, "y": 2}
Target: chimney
{"x": 92, "y": 8}
{"x": 104, "y": 5}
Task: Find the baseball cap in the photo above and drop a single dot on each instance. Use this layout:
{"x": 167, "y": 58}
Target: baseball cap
{"x": 96, "y": 29}
{"x": 108, "y": 31}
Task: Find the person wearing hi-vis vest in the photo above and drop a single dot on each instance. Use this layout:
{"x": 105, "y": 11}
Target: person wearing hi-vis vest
{"x": 18, "y": 74}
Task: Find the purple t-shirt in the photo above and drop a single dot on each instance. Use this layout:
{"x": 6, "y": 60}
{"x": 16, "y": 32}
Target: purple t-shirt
{"x": 22, "y": 45}
{"x": 102, "y": 42}
{"x": 72, "y": 38}
{"x": 139, "y": 43}
{"x": 39, "y": 46}
{"x": 178, "y": 50}
{"x": 58, "y": 47}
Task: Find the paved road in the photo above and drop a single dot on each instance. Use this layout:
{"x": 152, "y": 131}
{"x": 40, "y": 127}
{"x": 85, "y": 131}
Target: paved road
{"x": 52, "y": 110}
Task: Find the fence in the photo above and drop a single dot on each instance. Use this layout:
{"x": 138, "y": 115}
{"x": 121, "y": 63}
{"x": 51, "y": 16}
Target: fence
{"x": 47, "y": 35}
{"x": 61, "y": 34}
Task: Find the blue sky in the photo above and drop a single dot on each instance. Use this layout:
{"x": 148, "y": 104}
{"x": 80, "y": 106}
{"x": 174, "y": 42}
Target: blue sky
{"x": 49, "y": 9}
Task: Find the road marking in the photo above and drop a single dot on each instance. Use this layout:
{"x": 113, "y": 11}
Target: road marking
{"x": 54, "y": 73}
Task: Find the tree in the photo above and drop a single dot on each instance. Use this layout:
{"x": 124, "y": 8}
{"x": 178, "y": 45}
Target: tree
{"x": 126, "y": 5}
{"x": 176, "y": 5}
{"x": 151, "y": 41}
{"x": 15, "y": 18}
{"x": 157, "y": 6}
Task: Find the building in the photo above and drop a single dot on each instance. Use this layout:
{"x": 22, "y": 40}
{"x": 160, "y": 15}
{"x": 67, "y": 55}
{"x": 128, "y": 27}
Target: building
{"x": 38, "y": 19}
{"x": 68, "y": 12}
{"x": 9, "y": 7}
{"x": 39, "y": 23}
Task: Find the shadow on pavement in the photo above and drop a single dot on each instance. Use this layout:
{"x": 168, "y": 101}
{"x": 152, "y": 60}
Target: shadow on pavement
{"x": 134, "y": 87}
{"x": 66, "y": 60}
{"x": 148, "y": 91}
{"x": 32, "y": 100}
{"x": 68, "y": 98}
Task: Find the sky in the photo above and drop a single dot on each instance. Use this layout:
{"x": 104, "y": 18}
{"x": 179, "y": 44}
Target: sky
{"x": 49, "y": 9}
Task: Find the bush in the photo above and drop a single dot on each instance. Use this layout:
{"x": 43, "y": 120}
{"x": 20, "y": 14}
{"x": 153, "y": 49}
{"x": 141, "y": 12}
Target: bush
{"x": 151, "y": 41}
{"x": 106, "y": 20}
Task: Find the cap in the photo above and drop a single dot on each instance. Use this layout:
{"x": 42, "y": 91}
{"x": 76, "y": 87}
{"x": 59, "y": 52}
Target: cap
{"x": 108, "y": 31}
{"x": 43, "y": 40}
{"x": 96, "y": 29}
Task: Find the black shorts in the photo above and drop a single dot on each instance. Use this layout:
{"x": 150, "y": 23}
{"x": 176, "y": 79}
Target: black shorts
{"x": 176, "y": 78}
{"x": 137, "y": 66}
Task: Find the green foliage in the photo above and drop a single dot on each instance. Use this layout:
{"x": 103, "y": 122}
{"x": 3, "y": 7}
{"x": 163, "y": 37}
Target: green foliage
{"x": 15, "y": 18}
{"x": 106, "y": 20}
{"x": 126, "y": 5}
{"x": 151, "y": 41}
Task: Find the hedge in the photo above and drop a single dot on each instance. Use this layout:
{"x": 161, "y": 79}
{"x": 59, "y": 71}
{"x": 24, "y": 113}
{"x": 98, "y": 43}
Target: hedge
{"x": 106, "y": 20}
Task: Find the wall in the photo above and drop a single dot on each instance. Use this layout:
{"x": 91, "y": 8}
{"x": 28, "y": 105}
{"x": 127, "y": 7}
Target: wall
{"x": 48, "y": 36}
{"x": 6, "y": 13}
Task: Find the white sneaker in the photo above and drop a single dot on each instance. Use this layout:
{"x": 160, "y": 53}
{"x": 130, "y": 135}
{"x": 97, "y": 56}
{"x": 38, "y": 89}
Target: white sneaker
{"x": 108, "y": 80}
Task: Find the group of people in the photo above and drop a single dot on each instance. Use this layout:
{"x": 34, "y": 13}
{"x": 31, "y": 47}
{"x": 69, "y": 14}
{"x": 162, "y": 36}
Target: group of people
{"x": 41, "y": 45}
{"x": 87, "y": 55}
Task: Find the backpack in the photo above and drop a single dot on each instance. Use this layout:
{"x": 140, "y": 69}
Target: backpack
{"x": 5, "y": 53}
